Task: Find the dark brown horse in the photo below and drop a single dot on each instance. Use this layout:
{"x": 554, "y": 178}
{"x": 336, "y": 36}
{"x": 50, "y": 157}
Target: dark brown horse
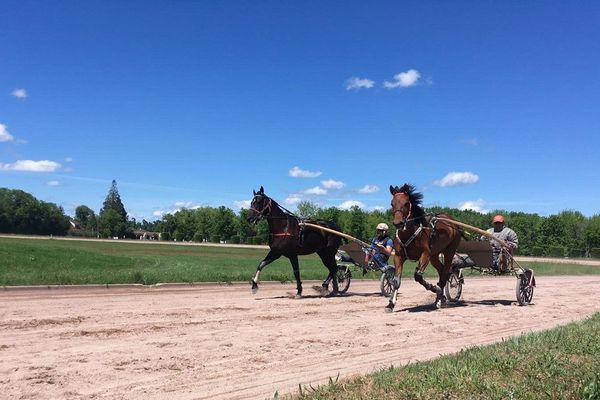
{"x": 421, "y": 237}
{"x": 288, "y": 238}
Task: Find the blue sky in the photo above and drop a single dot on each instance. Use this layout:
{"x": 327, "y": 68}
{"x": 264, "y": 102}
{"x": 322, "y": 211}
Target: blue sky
{"x": 480, "y": 104}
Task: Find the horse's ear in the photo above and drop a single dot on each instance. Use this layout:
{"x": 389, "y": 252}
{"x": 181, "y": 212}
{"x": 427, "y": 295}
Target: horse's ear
{"x": 391, "y": 190}
{"x": 262, "y": 190}
{"x": 254, "y": 192}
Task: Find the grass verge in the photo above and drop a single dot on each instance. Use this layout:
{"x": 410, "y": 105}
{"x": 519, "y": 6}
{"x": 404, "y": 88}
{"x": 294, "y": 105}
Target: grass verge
{"x": 562, "y": 363}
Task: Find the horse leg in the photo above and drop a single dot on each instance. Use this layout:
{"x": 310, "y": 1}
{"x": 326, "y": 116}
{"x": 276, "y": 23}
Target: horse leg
{"x": 422, "y": 264}
{"x": 399, "y": 264}
{"x": 443, "y": 273}
{"x": 296, "y": 268}
{"x": 328, "y": 259}
{"x": 272, "y": 256}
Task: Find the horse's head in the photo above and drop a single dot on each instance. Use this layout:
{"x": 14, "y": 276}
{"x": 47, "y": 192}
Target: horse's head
{"x": 403, "y": 200}
{"x": 260, "y": 207}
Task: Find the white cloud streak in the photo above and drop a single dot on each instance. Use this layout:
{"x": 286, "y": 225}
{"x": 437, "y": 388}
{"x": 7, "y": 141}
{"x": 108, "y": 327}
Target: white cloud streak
{"x": 369, "y": 189}
{"x": 475, "y": 205}
{"x": 317, "y": 190}
{"x": 356, "y": 83}
{"x": 19, "y": 94}
{"x": 5, "y": 136}
{"x": 297, "y": 172}
{"x": 31, "y": 166}
{"x": 332, "y": 184}
{"x": 53, "y": 183}
{"x": 348, "y": 204}
{"x": 457, "y": 178}
{"x": 403, "y": 79}
{"x": 239, "y": 204}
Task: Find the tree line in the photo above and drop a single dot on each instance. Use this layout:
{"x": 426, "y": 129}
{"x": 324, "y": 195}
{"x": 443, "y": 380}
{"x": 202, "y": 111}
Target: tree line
{"x": 568, "y": 233}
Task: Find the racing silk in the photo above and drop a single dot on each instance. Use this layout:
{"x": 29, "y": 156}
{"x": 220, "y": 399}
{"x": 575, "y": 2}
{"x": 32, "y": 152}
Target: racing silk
{"x": 381, "y": 257}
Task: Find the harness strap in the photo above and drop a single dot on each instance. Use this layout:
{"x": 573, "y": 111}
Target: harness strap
{"x": 410, "y": 239}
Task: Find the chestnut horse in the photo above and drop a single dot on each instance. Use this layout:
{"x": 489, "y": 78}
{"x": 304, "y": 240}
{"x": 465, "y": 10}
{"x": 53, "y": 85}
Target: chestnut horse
{"x": 421, "y": 237}
{"x": 287, "y": 238}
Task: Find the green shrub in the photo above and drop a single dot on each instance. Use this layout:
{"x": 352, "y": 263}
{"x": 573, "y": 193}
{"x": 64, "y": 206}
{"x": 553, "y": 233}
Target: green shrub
{"x": 215, "y": 238}
{"x": 198, "y": 237}
{"x": 165, "y": 236}
{"x": 537, "y": 251}
{"x": 556, "y": 251}
{"x": 235, "y": 239}
{"x": 595, "y": 252}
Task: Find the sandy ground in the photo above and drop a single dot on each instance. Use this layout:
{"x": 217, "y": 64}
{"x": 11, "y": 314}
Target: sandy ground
{"x": 221, "y": 342}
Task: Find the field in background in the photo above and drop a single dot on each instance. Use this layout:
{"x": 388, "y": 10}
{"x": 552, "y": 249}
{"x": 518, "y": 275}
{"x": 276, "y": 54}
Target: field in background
{"x": 67, "y": 262}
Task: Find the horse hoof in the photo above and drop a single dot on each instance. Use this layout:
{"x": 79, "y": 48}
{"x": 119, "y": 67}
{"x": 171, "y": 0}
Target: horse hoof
{"x": 298, "y": 296}
{"x": 323, "y": 291}
{"x": 332, "y": 294}
{"x": 388, "y": 310}
{"x": 254, "y": 287}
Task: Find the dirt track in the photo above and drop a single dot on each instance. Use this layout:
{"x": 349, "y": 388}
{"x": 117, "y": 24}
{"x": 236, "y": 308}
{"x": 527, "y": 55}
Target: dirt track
{"x": 220, "y": 342}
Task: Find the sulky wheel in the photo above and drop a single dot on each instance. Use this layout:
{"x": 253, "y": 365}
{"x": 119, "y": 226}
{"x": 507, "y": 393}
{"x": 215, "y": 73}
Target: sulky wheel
{"x": 343, "y": 276}
{"x": 387, "y": 282}
{"x": 524, "y": 289}
{"x": 453, "y": 288}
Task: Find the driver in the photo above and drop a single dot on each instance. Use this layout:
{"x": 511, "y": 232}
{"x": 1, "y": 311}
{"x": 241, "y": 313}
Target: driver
{"x": 382, "y": 247}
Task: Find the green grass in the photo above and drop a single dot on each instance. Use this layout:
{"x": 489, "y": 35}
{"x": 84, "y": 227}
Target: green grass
{"x": 67, "y": 262}
{"x": 562, "y": 363}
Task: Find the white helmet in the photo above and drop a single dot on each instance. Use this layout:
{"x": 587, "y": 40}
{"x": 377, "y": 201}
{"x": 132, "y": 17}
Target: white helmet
{"x": 382, "y": 227}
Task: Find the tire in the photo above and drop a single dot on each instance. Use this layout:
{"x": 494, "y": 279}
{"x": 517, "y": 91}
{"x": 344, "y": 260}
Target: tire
{"x": 453, "y": 288}
{"x": 524, "y": 291}
{"x": 343, "y": 276}
{"x": 387, "y": 283}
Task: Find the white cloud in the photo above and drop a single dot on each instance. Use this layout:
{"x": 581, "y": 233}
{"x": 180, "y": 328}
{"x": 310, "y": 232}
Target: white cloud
{"x": 369, "y": 189}
{"x": 317, "y": 190}
{"x": 403, "y": 79}
{"x": 20, "y": 94}
{"x": 5, "y": 136}
{"x": 332, "y": 184}
{"x": 293, "y": 199}
{"x": 68, "y": 159}
{"x": 158, "y": 213}
{"x": 296, "y": 172}
{"x": 53, "y": 183}
{"x": 471, "y": 142}
{"x": 457, "y": 178}
{"x": 359, "y": 83}
{"x": 186, "y": 204}
{"x": 348, "y": 204}
{"x": 239, "y": 204}
{"x": 475, "y": 205}
{"x": 31, "y": 166}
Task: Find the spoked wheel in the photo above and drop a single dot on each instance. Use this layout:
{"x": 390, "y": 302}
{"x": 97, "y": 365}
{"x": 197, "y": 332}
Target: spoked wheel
{"x": 524, "y": 289}
{"x": 453, "y": 288}
{"x": 387, "y": 282}
{"x": 343, "y": 276}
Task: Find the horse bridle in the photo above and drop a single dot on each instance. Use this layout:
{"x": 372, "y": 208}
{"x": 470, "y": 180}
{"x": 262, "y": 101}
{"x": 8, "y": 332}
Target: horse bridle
{"x": 405, "y": 219}
{"x": 261, "y": 213}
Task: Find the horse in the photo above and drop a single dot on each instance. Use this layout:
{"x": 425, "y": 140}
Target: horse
{"x": 287, "y": 237}
{"x": 421, "y": 237}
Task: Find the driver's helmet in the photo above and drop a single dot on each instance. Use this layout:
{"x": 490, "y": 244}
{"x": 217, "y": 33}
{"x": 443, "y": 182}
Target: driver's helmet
{"x": 382, "y": 227}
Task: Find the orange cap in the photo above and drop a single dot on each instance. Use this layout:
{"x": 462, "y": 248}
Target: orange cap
{"x": 498, "y": 218}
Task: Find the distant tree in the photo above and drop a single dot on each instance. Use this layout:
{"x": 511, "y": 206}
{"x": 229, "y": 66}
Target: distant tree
{"x": 114, "y": 222}
{"x": 307, "y": 209}
{"x": 20, "y": 212}
{"x": 86, "y": 218}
